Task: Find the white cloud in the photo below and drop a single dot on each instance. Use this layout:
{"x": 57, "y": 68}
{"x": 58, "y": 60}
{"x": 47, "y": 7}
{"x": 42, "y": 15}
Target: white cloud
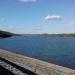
{"x": 52, "y": 17}
{"x": 27, "y": 0}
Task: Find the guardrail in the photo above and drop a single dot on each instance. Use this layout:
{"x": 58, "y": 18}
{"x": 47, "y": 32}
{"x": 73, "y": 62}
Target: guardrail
{"x": 34, "y": 65}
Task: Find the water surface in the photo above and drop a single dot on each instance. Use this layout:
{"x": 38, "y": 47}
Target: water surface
{"x": 55, "y": 50}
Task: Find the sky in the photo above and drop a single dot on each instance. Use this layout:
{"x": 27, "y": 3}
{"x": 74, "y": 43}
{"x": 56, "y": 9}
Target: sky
{"x": 37, "y": 16}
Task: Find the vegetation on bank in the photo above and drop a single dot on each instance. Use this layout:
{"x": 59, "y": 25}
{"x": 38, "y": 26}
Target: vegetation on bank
{"x": 50, "y": 35}
{"x": 5, "y": 34}
{"x": 60, "y": 35}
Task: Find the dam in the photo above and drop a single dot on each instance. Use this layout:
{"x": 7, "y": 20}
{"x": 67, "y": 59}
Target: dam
{"x": 17, "y": 64}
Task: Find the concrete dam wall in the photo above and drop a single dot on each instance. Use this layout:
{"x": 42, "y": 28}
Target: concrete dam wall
{"x": 23, "y": 65}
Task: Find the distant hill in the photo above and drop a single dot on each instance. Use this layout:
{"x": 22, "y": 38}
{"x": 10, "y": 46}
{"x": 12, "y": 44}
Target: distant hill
{"x": 5, "y": 34}
{"x": 50, "y": 35}
{"x": 60, "y": 35}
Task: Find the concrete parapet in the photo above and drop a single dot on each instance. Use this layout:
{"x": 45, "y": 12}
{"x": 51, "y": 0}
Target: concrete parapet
{"x": 37, "y": 66}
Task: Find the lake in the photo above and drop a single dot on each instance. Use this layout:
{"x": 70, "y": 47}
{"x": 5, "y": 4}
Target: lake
{"x": 57, "y": 50}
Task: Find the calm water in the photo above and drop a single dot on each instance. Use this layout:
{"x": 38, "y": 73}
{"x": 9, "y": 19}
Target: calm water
{"x": 60, "y": 51}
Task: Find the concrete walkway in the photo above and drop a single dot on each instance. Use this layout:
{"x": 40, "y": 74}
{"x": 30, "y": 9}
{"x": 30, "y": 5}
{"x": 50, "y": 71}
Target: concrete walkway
{"x": 33, "y": 66}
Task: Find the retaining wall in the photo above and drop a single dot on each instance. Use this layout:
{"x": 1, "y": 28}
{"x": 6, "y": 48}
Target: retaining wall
{"x": 37, "y": 66}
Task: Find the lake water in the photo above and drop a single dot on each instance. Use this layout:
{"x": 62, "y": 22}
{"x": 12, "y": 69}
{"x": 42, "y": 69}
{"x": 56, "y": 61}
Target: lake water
{"x": 57, "y": 50}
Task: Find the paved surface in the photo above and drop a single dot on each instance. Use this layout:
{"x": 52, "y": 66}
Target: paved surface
{"x": 34, "y": 65}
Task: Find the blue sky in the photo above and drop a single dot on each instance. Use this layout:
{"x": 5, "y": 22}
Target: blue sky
{"x": 37, "y": 16}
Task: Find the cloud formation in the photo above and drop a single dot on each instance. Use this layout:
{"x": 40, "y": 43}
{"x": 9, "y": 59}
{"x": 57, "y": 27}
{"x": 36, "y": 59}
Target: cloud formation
{"x": 27, "y": 0}
{"x": 52, "y": 17}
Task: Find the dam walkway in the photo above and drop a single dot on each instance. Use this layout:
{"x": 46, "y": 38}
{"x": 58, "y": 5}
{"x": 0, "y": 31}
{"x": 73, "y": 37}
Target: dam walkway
{"x": 16, "y": 64}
